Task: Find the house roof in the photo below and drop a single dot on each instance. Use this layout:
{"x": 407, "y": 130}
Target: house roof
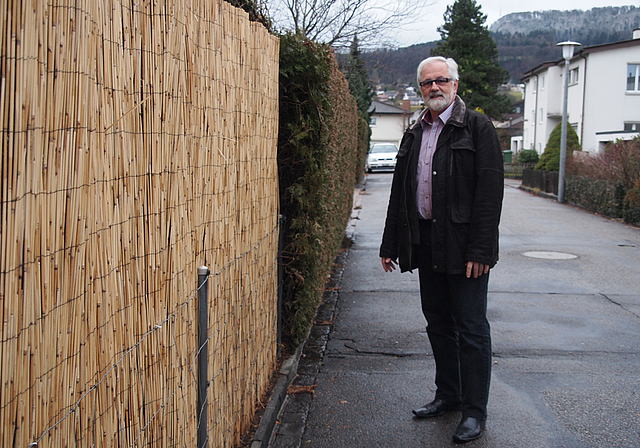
{"x": 384, "y": 108}
{"x": 609, "y": 46}
{"x": 581, "y": 53}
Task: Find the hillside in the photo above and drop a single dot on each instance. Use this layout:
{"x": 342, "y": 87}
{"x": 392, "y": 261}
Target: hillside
{"x": 524, "y": 40}
{"x": 571, "y": 24}
{"x": 527, "y": 39}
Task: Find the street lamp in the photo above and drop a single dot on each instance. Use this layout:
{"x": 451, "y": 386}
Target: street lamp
{"x": 567, "y": 54}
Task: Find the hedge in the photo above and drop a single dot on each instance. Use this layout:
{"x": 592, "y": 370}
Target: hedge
{"x": 604, "y": 197}
{"x": 316, "y": 161}
{"x": 598, "y": 196}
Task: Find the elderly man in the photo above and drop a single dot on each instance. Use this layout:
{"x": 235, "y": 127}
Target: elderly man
{"x": 442, "y": 219}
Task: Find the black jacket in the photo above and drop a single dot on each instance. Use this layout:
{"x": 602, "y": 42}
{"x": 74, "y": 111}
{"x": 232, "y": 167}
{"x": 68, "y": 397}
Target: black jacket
{"x": 468, "y": 184}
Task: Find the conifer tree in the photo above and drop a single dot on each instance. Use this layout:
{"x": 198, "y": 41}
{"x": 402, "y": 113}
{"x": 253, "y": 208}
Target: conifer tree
{"x": 466, "y": 39}
{"x": 550, "y": 159}
{"x": 356, "y": 74}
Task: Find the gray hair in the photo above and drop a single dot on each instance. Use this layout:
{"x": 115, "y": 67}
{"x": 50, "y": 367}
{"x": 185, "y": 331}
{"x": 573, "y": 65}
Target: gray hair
{"x": 451, "y": 64}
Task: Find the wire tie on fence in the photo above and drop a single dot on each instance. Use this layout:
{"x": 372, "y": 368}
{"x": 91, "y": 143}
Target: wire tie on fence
{"x": 33, "y": 445}
{"x": 158, "y": 326}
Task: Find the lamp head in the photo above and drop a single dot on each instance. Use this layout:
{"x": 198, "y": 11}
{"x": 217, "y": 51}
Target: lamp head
{"x": 567, "y": 49}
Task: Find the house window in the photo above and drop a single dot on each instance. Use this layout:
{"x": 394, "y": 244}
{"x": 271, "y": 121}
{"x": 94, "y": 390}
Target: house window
{"x": 534, "y": 82}
{"x": 632, "y": 127}
{"x": 373, "y": 121}
{"x": 633, "y": 73}
{"x": 541, "y": 115}
{"x": 574, "y": 75}
{"x": 542, "y": 82}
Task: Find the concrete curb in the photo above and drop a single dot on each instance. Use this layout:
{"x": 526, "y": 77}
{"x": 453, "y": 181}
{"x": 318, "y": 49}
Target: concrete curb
{"x": 539, "y": 193}
{"x": 287, "y": 373}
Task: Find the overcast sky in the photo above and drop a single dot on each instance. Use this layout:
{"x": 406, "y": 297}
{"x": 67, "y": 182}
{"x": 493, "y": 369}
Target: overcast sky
{"x": 427, "y": 29}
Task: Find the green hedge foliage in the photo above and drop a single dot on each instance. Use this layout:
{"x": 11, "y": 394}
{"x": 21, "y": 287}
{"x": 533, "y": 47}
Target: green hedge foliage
{"x": 598, "y": 196}
{"x": 316, "y": 162}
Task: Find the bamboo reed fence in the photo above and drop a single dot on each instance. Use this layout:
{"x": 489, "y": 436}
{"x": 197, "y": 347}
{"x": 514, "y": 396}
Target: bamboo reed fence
{"x": 138, "y": 143}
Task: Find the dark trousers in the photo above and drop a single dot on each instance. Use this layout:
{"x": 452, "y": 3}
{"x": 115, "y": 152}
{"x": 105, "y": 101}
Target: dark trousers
{"x": 456, "y": 311}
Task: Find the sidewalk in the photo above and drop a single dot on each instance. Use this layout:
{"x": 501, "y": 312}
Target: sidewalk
{"x": 564, "y": 305}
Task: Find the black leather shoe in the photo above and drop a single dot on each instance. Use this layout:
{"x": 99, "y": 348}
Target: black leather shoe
{"x": 469, "y": 429}
{"x": 435, "y": 408}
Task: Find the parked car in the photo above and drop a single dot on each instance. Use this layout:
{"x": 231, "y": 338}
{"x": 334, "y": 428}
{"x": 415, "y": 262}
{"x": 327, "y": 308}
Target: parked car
{"x": 382, "y": 156}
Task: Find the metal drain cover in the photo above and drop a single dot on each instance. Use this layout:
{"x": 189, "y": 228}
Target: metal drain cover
{"x": 549, "y": 255}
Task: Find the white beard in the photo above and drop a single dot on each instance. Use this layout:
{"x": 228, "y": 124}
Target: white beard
{"x": 439, "y": 102}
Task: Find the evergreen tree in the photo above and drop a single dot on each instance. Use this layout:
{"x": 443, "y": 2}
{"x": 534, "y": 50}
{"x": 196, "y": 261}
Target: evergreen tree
{"x": 466, "y": 39}
{"x": 550, "y": 159}
{"x": 356, "y": 73}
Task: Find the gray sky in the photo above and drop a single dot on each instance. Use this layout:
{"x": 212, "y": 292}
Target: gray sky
{"x": 426, "y": 29}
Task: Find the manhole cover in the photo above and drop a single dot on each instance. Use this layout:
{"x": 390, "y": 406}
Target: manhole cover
{"x": 549, "y": 255}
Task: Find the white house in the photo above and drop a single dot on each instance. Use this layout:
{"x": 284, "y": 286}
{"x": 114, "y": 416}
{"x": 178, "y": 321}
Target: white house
{"x": 603, "y": 96}
{"x": 388, "y": 123}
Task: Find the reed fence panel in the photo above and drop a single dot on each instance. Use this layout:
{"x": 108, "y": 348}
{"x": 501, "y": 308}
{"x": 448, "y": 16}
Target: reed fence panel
{"x": 138, "y": 143}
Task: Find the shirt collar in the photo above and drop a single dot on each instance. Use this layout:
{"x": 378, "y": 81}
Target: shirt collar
{"x": 444, "y": 116}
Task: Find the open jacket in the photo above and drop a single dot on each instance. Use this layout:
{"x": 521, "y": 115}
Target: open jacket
{"x": 468, "y": 184}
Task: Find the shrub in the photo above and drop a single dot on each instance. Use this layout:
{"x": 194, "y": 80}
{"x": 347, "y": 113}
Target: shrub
{"x": 631, "y": 210}
{"x": 528, "y": 156}
{"x": 550, "y": 159}
{"x": 620, "y": 163}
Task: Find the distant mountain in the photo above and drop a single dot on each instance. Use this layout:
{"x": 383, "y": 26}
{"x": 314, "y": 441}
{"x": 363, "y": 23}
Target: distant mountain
{"x": 576, "y": 24}
{"x": 524, "y": 40}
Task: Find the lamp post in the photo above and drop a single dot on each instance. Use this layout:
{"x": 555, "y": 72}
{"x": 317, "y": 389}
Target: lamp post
{"x": 567, "y": 54}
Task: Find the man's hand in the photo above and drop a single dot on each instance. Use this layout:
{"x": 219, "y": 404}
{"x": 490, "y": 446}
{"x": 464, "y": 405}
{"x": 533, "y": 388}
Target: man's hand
{"x": 388, "y": 264}
{"x": 476, "y": 269}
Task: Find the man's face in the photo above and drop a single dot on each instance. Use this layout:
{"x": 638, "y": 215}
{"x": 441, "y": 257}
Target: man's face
{"x": 438, "y": 97}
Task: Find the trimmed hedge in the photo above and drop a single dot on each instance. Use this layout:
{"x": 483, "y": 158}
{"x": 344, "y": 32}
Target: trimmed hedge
{"x": 604, "y": 197}
{"x": 598, "y": 196}
{"x": 316, "y": 161}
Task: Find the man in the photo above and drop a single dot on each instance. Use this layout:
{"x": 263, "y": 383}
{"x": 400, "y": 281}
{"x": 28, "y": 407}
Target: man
{"x": 443, "y": 216}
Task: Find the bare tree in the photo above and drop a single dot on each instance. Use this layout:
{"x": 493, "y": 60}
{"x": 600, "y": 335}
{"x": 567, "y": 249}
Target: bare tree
{"x": 336, "y": 22}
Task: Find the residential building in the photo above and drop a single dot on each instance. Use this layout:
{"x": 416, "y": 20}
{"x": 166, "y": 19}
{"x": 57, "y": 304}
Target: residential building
{"x": 388, "y": 122}
{"x": 512, "y": 127}
{"x": 603, "y": 96}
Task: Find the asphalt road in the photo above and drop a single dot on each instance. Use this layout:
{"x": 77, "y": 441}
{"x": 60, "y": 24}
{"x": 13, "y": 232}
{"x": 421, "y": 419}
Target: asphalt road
{"x": 564, "y": 308}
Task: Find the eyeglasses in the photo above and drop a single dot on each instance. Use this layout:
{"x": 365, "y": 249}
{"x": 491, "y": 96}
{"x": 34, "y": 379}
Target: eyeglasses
{"x": 439, "y": 81}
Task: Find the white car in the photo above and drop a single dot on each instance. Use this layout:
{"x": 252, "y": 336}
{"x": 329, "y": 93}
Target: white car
{"x": 382, "y": 156}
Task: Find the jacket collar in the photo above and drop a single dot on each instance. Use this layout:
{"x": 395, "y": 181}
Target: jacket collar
{"x": 457, "y": 115}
